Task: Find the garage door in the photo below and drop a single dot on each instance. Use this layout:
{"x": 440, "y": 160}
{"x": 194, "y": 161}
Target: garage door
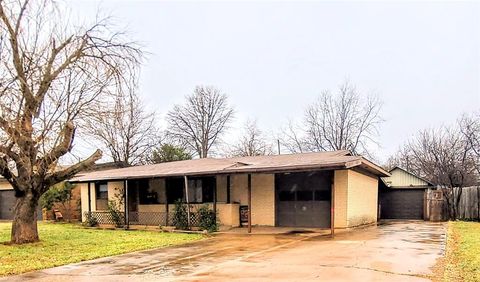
{"x": 7, "y": 199}
{"x": 303, "y": 199}
{"x": 402, "y": 204}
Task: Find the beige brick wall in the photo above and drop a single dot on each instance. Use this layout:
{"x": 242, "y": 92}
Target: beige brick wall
{"x": 362, "y": 199}
{"x": 238, "y": 189}
{"x": 263, "y": 196}
{"x": 152, "y": 208}
{"x": 263, "y": 199}
{"x": 115, "y": 192}
{"x": 340, "y": 183}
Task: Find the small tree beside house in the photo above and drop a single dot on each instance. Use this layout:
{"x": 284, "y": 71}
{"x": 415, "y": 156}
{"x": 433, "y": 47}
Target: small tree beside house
{"x": 60, "y": 194}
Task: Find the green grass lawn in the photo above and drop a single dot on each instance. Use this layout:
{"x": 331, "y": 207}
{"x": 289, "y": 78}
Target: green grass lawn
{"x": 68, "y": 243}
{"x": 462, "y": 262}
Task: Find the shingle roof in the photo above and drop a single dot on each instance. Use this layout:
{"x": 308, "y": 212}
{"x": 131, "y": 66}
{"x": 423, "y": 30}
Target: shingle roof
{"x": 209, "y": 166}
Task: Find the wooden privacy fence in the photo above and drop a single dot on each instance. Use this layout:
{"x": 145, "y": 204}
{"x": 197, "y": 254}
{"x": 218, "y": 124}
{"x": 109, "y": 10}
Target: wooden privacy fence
{"x": 468, "y": 209}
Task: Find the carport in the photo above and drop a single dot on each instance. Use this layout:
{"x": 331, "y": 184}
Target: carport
{"x": 303, "y": 199}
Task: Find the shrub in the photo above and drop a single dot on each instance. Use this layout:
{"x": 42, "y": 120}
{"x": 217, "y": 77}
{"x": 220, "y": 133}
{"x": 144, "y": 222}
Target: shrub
{"x": 207, "y": 219}
{"x": 60, "y": 193}
{"x": 115, "y": 213}
{"x": 180, "y": 216}
{"x": 90, "y": 220}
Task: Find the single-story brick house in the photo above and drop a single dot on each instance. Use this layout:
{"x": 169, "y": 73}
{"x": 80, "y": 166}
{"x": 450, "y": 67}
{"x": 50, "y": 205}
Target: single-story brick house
{"x": 293, "y": 190}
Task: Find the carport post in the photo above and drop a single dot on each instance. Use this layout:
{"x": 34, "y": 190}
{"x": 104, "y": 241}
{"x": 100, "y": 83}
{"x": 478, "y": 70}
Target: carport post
{"x": 89, "y": 199}
{"x": 332, "y": 210}
{"x": 188, "y": 202}
{"x": 215, "y": 202}
{"x": 126, "y": 204}
{"x": 249, "y": 203}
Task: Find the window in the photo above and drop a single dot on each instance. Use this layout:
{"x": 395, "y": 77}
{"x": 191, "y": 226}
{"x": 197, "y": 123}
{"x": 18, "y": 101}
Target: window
{"x": 200, "y": 189}
{"x": 101, "y": 195}
{"x": 175, "y": 190}
{"x": 208, "y": 189}
{"x": 287, "y": 196}
{"x": 305, "y": 195}
{"x": 147, "y": 194}
{"x": 322, "y": 195}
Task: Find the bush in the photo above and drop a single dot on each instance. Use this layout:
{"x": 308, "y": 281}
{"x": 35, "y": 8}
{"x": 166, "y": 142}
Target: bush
{"x": 90, "y": 220}
{"x": 207, "y": 219}
{"x": 180, "y": 216}
{"x": 60, "y": 193}
{"x": 116, "y": 214}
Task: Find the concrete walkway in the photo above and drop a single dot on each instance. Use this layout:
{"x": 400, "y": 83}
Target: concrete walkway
{"x": 395, "y": 251}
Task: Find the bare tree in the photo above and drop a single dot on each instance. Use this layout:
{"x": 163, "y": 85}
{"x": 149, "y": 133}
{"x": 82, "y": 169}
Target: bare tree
{"x": 252, "y": 142}
{"x": 293, "y": 138}
{"x": 343, "y": 122}
{"x": 52, "y": 75}
{"x": 127, "y": 131}
{"x": 201, "y": 121}
{"x": 443, "y": 156}
{"x": 470, "y": 128}
{"x": 336, "y": 122}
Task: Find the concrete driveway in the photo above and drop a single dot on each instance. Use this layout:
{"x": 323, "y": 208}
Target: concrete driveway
{"x": 393, "y": 251}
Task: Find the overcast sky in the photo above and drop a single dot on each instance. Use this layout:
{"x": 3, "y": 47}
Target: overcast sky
{"x": 274, "y": 58}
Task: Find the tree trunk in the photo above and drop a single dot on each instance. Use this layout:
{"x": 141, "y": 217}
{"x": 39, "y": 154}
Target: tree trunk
{"x": 24, "y": 226}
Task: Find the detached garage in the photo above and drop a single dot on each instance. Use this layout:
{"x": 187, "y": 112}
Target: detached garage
{"x": 402, "y": 195}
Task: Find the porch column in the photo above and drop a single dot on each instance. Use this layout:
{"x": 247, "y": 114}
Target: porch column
{"x": 166, "y": 201}
{"x": 215, "y": 200}
{"x": 249, "y": 203}
{"x": 89, "y": 199}
{"x": 166, "y": 217}
{"x": 188, "y": 202}
{"x": 125, "y": 185}
{"x": 228, "y": 189}
{"x": 332, "y": 209}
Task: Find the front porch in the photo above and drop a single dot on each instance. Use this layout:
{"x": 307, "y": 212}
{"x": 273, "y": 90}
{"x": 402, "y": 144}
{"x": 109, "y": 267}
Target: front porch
{"x": 152, "y": 201}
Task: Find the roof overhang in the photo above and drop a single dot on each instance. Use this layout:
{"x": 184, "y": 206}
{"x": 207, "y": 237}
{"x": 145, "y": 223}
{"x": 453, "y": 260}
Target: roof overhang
{"x": 263, "y": 164}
